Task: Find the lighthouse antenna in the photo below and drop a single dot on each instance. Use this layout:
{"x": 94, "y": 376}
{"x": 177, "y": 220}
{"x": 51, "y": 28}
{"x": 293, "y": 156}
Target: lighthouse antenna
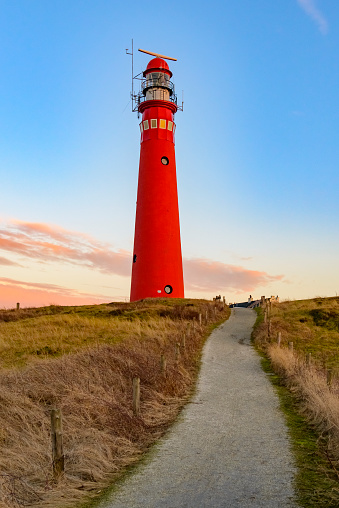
{"x": 127, "y": 53}
{"x": 157, "y": 54}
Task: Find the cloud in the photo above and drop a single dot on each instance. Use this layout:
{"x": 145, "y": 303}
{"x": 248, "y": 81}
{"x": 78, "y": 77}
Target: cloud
{"x": 46, "y": 243}
{"x": 311, "y": 10}
{"x": 7, "y": 262}
{"x": 34, "y": 294}
{"x": 213, "y": 276}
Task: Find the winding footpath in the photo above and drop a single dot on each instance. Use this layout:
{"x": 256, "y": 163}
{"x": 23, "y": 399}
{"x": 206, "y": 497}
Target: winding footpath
{"x": 229, "y": 448}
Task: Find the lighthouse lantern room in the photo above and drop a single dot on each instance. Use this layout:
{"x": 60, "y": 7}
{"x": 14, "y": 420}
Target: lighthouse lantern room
{"x": 157, "y": 261}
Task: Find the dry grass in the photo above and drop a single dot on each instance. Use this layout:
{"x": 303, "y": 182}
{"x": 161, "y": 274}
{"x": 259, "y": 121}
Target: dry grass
{"x": 92, "y": 385}
{"x": 313, "y": 327}
{"x": 318, "y": 401}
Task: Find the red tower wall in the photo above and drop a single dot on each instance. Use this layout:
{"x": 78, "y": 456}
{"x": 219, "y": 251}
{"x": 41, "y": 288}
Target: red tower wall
{"x": 157, "y": 260}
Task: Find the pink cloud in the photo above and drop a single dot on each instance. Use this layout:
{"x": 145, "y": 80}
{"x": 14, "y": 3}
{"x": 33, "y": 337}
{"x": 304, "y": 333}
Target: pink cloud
{"x": 33, "y": 294}
{"x": 7, "y": 262}
{"x": 212, "y": 276}
{"x": 46, "y": 243}
{"x": 311, "y": 10}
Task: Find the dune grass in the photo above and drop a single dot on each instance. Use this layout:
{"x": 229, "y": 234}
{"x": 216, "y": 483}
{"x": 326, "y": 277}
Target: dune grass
{"x": 311, "y": 404}
{"x": 82, "y": 360}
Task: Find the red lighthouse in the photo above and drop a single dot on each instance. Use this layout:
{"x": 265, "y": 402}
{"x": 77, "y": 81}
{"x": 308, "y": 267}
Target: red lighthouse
{"x": 157, "y": 262}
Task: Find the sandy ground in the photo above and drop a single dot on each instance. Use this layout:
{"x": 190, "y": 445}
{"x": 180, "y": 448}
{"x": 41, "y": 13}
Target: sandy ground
{"x": 230, "y": 446}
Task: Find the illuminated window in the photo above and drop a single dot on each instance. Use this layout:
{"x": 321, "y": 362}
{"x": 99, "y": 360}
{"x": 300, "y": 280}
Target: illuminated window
{"x": 154, "y": 123}
{"x": 162, "y": 124}
{"x": 140, "y": 125}
{"x": 146, "y": 126}
{"x": 170, "y": 125}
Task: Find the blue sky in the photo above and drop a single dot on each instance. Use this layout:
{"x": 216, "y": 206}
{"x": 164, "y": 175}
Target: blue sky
{"x": 256, "y": 146}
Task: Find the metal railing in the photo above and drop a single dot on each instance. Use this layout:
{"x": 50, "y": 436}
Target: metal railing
{"x": 160, "y": 82}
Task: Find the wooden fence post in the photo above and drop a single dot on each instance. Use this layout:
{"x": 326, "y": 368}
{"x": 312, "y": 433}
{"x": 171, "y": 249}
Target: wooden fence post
{"x": 136, "y": 396}
{"x": 163, "y": 365}
{"x": 206, "y": 316}
{"x": 200, "y": 320}
{"x": 265, "y": 316}
{"x": 308, "y": 359}
{"x": 58, "y": 459}
{"x": 269, "y": 328}
{"x": 329, "y": 377}
{"x": 177, "y": 352}
{"x": 18, "y": 306}
{"x": 188, "y": 329}
{"x": 279, "y": 339}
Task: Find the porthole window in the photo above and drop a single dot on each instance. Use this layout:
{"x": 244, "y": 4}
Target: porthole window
{"x": 168, "y": 289}
{"x": 146, "y": 126}
{"x": 154, "y": 123}
{"x": 164, "y": 161}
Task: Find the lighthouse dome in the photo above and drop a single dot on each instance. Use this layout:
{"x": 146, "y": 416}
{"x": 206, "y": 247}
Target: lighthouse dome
{"x": 157, "y": 65}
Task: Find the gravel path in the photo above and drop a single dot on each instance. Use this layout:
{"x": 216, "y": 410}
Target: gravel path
{"x": 229, "y": 448}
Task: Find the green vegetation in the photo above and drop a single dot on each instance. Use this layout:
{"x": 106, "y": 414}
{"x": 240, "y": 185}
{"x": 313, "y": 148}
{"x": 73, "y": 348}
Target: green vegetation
{"x": 312, "y": 326}
{"x": 33, "y": 334}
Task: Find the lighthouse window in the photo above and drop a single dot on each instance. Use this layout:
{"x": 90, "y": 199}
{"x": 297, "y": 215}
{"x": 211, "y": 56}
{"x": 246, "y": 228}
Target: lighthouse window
{"x": 146, "y": 126}
{"x": 164, "y": 161}
{"x": 154, "y": 123}
{"x": 140, "y": 125}
{"x": 168, "y": 289}
{"x": 173, "y": 128}
{"x": 162, "y": 124}
{"x": 170, "y": 125}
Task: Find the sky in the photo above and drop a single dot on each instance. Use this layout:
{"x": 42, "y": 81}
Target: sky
{"x": 257, "y": 150}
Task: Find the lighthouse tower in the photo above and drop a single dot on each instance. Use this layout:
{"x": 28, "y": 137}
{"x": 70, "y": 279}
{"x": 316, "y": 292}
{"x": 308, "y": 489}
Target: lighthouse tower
{"x": 157, "y": 262}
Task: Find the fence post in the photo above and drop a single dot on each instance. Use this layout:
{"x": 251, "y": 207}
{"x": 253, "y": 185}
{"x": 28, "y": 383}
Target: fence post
{"x": 58, "y": 459}
{"x": 163, "y": 365}
{"x": 188, "y": 329}
{"x": 206, "y": 316}
{"x": 308, "y": 359}
{"x": 265, "y": 316}
{"x": 269, "y": 328}
{"x": 18, "y": 306}
{"x": 136, "y": 396}
{"x": 200, "y": 320}
{"x": 279, "y": 339}
{"x": 177, "y": 352}
{"x": 329, "y": 377}
{"x": 290, "y": 346}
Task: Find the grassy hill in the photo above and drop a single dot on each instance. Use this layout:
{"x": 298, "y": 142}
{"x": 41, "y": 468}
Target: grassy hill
{"x": 310, "y": 372}
{"x": 82, "y": 360}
